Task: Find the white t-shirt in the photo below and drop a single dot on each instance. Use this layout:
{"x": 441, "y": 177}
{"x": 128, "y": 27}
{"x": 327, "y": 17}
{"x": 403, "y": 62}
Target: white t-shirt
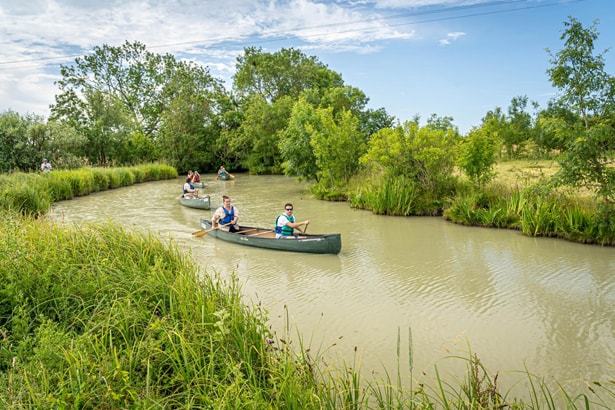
{"x": 282, "y": 221}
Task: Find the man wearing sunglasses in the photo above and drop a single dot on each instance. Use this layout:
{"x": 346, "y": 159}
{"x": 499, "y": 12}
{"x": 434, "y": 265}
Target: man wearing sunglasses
{"x": 285, "y": 224}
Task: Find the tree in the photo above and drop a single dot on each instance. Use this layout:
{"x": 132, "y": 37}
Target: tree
{"x": 117, "y": 95}
{"x": 424, "y": 155}
{"x": 24, "y": 141}
{"x": 287, "y": 72}
{"x": 579, "y": 74}
{"x": 256, "y": 141}
{"x": 477, "y": 155}
{"x": 519, "y": 127}
{"x": 589, "y": 92}
{"x": 295, "y": 149}
{"x": 192, "y": 121}
{"x": 337, "y": 149}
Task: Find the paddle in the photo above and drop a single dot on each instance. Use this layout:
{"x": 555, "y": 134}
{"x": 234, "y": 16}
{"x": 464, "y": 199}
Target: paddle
{"x": 204, "y": 232}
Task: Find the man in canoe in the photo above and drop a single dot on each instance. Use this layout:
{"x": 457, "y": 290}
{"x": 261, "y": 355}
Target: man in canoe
{"x": 285, "y": 224}
{"x": 226, "y": 216}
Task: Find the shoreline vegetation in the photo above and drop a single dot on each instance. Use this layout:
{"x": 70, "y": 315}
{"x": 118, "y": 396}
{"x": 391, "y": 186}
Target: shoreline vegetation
{"x": 134, "y": 323}
{"x": 97, "y": 315}
{"x": 523, "y": 196}
{"x": 33, "y": 193}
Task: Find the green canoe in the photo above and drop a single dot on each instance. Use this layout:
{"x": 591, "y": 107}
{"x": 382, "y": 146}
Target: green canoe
{"x": 198, "y": 184}
{"x": 265, "y": 238}
{"x": 198, "y": 203}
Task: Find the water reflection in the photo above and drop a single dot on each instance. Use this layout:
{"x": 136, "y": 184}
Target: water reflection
{"x": 514, "y": 300}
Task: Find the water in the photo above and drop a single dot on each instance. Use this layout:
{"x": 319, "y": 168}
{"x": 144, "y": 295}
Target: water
{"x": 515, "y": 301}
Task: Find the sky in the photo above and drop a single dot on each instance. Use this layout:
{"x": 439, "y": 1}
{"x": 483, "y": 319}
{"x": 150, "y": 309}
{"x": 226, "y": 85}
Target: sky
{"x": 454, "y": 58}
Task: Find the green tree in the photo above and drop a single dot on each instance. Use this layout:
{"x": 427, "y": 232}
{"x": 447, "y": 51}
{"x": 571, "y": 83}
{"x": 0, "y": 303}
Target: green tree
{"x": 287, "y": 72}
{"x": 295, "y": 147}
{"x": 191, "y": 123}
{"x": 478, "y": 155}
{"x": 117, "y": 95}
{"x": 256, "y": 141}
{"x": 424, "y": 155}
{"x": 579, "y": 74}
{"x": 586, "y": 88}
{"x": 24, "y": 142}
{"x": 337, "y": 150}
{"x": 519, "y": 127}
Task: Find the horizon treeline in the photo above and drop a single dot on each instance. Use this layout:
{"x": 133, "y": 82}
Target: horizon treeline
{"x": 287, "y": 113}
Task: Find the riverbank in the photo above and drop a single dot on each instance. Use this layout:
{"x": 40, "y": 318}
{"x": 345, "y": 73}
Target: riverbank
{"x": 33, "y": 193}
{"x": 522, "y": 196}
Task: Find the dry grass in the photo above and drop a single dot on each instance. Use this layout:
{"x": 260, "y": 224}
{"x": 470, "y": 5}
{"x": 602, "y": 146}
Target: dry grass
{"x": 522, "y": 173}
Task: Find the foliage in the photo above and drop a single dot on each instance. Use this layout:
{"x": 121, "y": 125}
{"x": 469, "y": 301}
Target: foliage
{"x": 295, "y": 148}
{"x": 336, "y": 148}
{"x": 580, "y": 74}
{"x": 32, "y": 194}
{"x": 118, "y": 94}
{"x": 477, "y": 155}
{"x": 394, "y": 196}
{"x": 536, "y": 210}
{"x": 256, "y": 141}
{"x": 128, "y": 323}
{"x": 287, "y": 72}
{"x": 190, "y": 124}
{"x": 589, "y": 91}
{"x": 23, "y": 142}
{"x": 425, "y": 155}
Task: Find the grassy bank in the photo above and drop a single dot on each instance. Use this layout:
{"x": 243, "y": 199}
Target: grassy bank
{"x": 98, "y": 317}
{"x": 33, "y": 193}
{"x": 521, "y": 197}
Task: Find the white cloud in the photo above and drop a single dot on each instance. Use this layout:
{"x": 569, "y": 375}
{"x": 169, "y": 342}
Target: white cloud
{"x": 450, "y": 37}
{"x": 37, "y": 36}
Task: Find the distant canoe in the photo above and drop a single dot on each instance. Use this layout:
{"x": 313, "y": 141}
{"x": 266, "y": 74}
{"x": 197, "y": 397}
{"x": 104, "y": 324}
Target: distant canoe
{"x": 225, "y": 176}
{"x": 265, "y": 238}
{"x": 198, "y": 184}
{"x": 198, "y": 203}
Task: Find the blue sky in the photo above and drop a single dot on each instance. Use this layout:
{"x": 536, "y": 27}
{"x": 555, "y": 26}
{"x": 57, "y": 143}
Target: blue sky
{"x": 457, "y": 58}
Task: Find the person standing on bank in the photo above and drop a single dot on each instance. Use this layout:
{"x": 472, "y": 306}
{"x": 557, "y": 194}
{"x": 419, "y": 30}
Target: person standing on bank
{"x": 285, "y": 224}
{"x": 226, "y": 216}
{"x": 45, "y": 166}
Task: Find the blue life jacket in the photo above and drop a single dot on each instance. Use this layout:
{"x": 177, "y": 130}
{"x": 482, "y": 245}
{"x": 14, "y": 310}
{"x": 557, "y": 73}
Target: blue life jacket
{"x": 284, "y": 230}
{"x": 228, "y": 216}
{"x": 185, "y": 191}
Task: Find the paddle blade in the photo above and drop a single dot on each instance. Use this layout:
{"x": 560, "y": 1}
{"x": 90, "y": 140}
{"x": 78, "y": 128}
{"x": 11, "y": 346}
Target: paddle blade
{"x": 200, "y": 233}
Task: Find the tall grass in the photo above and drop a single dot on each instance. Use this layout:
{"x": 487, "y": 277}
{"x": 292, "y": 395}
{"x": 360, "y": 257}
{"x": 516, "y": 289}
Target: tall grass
{"x": 101, "y": 317}
{"x": 392, "y": 196}
{"x": 32, "y": 194}
{"x": 536, "y": 210}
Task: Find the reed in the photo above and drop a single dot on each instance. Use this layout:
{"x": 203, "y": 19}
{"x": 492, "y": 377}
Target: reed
{"x": 536, "y": 210}
{"x": 391, "y": 196}
{"x": 33, "y": 193}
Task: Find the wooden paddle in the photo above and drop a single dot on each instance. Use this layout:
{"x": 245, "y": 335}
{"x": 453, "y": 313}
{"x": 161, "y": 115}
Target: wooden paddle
{"x": 204, "y": 232}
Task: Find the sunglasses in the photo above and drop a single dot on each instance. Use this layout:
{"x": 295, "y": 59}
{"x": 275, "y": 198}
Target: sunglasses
{"x": 289, "y": 209}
